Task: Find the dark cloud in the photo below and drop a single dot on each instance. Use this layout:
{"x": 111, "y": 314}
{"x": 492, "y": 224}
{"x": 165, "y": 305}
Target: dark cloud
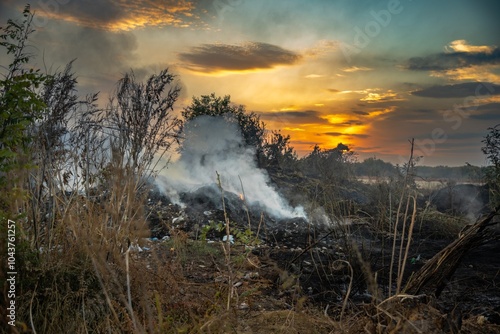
{"x": 350, "y": 135}
{"x": 304, "y": 142}
{"x": 490, "y": 107}
{"x": 446, "y": 61}
{"x": 359, "y": 112}
{"x": 410, "y": 85}
{"x": 8, "y": 10}
{"x": 117, "y": 15}
{"x": 459, "y": 90}
{"x": 351, "y": 123}
{"x": 487, "y": 117}
{"x": 101, "y": 56}
{"x": 333, "y": 90}
{"x": 252, "y": 55}
{"x": 487, "y": 112}
{"x": 294, "y": 117}
{"x": 368, "y": 148}
{"x": 423, "y": 111}
{"x": 96, "y": 50}
{"x": 465, "y": 135}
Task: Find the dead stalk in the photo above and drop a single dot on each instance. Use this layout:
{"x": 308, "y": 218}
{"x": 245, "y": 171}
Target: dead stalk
{"x": 227, "y": 246}
{"x": 401, "y": 245}
{"x": 258, "y": 228}
{"x": 31, "y": 309}
{"x": 245, "y": 205}
{"x": 348, "y": 292}
{"x": 408, "y": 243}
{"x": 129, "y": 294}
{"x": 395, "y": 232}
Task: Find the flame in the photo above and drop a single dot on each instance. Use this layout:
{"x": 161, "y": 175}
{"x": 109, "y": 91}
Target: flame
{"x": 242, "y": 197}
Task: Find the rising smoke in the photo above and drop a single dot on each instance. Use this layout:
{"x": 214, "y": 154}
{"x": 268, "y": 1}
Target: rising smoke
{"x": 215, "y": 145}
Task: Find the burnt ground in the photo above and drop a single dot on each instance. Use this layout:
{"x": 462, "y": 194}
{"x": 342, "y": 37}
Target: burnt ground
{"x": 293, "y": 275}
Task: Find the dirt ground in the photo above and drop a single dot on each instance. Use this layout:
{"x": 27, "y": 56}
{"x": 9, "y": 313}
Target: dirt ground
{"x": 326, "y": 282}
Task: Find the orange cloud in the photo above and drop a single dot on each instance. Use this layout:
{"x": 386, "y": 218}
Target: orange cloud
{"x": 382, "y": 97}
{"x": 461, "y": 45}
{"x": 483, "y": 73}
{"x": 356, "y": 69}
{"x": 379, "y": 113}
{"x": 321, "y": 48}
{"x": 314, "y": 76}
{"x": 125, "y": 15}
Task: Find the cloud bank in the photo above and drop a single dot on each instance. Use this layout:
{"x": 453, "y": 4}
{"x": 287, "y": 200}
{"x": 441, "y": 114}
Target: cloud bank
{"x": 459, "y": 54}
{"x": 119, "y": 15}
{"x": 294, "y": 117}
{"x": 227, "y": 57}
{"x": 459, "y": 90}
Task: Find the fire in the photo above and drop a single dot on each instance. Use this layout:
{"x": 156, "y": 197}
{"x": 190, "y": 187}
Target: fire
{"x": 242, "y": 197}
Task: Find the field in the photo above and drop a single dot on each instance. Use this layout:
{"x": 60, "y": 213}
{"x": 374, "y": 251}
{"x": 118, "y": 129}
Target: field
{"x": 287, "y": 275}
{"x": 131, "y": 215}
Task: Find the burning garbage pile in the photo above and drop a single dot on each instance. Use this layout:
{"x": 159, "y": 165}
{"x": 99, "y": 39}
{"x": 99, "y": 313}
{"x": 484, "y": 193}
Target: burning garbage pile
{"x": 203, "y": 213}
{"x": 216, "y": 173}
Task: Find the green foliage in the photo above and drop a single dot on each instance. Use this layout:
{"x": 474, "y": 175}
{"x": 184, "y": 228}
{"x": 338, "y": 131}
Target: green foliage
{"x": 374, "y": 167}
{"x": 20, "y": 107}
{"x": 250, "y": 125}
{"x": 492, "y": 146}
{"x": 20, "y": 104}
{"x": 278, "y": 152}
{"x": 492, "y": 151}
{"x": 466, "y": 172}
{"x": 333, "y": 165}
{"x": 212, "y": 226}
{"x": 244, "y": 237}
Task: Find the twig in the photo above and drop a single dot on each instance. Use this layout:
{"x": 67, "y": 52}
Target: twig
{"x": 129, "y": 294}
{"x": 245, "y": 205}
{"x": 410, "y": 234}
{"x": 348, "y": 292}
{"x": 311, "y": 246}
{"x": 31, "y": 309}
{"x": 395, "y": 233}
{"x": 227, "y": 246}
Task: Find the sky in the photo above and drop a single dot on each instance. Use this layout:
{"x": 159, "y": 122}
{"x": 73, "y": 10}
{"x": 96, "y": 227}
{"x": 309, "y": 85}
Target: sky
{"x": 369, "y": 74}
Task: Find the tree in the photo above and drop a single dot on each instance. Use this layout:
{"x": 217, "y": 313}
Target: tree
{"x": 50, "y": 151}
{"x": 277, "y": 151}
{"x": 252, "y": 129}
{"x": 332, "y": 165}
{"x": 374, "y": 167}
{"x": 331, "y": 176}
{"x": 491, "y": 149}
{"x": 141, "y": 120}
{"x": 20, "y": 106}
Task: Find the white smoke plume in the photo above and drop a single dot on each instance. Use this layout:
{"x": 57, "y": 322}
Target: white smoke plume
{"x": 215, "y": 145}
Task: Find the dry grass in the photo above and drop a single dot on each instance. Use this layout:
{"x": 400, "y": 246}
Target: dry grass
{"x": 90, "y": 279}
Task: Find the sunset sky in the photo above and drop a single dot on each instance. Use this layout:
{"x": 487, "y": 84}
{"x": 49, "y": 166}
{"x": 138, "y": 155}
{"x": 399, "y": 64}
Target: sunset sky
{"x": 370, "y": 74}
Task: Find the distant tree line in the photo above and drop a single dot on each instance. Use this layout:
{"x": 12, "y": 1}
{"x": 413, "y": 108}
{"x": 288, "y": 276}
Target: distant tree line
{"x": 373, "y": 167}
